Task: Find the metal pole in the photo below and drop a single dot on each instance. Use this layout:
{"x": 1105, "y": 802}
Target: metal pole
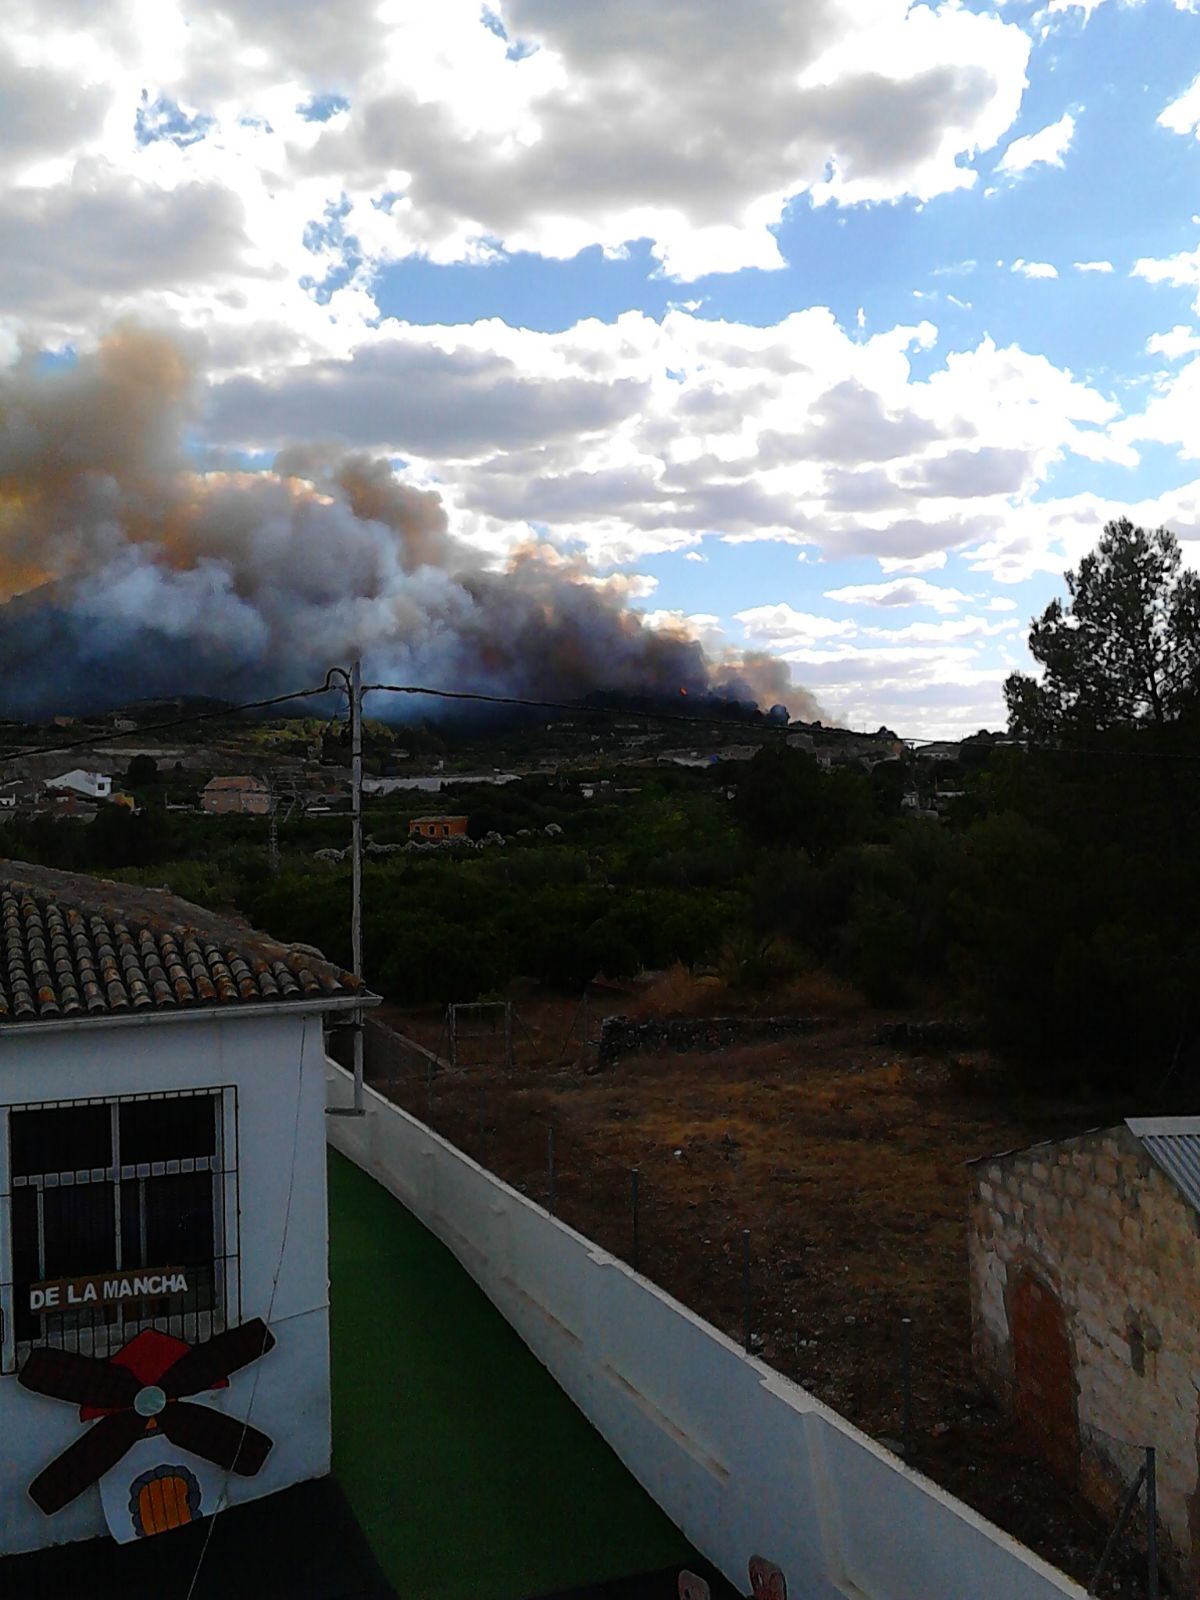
{"x": 906, "y": 1418}
{"x": 746, "y": 1285}
{"x": 1118, "y": 1528}
{"x": 550, "y": 1168}
{"x": 356, "y": 932}
{"x": 1151, "y": 1523}
{"x": 633, "y": 1206}
{"x": 273, "y": 827}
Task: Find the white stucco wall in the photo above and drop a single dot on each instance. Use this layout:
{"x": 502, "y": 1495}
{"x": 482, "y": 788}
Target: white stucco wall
{"x": 742, "y": 1460}
{"x": 276, "y": 1063}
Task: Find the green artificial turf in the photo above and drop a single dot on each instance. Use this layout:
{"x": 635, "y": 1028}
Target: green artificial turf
{"x": 470, "y": 1472}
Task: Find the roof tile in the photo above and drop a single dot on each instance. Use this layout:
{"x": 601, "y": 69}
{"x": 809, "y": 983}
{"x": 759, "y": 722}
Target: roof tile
{"x": 60, "y": 958}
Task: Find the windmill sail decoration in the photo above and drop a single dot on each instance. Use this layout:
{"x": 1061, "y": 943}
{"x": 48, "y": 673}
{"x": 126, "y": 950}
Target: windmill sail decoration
{"x": 138, "y": 1395}
{"x": 767, "y": 1581}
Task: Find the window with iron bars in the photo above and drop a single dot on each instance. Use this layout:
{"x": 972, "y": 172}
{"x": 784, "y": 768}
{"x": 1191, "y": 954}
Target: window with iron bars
{"x": 122, "y": 1185}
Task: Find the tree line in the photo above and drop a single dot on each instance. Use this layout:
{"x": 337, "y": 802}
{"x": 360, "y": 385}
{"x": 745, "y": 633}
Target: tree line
{"x": 1054, "y": 903}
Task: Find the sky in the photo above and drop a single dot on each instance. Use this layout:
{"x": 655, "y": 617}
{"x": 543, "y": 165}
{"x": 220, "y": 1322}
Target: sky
{"x": 834, "y": 330}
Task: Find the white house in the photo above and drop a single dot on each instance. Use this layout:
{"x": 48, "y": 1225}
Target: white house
{"x": 163, "y": 1237}
{"x": 95, "y": 785}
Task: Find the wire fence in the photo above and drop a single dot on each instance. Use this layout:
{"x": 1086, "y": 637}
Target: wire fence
{"x": 701, "y": 1249}
{"x": 874, "y": 1358}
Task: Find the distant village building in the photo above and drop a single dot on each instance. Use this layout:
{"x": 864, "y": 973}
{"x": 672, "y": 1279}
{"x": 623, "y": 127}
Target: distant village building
{"x": 437, "y": 827}
{"x": 66, "y": 803}
{"x": 1085, "y": 1297}
{"x": 939, "y": 750}
{"x": 91, "y": 785}
{"x": 162, "y": 1211}
{"x": 238, "y": 796}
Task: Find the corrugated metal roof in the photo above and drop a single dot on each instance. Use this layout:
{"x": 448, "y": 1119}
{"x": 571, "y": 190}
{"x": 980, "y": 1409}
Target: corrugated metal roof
{"x": 1174, "y": 1144}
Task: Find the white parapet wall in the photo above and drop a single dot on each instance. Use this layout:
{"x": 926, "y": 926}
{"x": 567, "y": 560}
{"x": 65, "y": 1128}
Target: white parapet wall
{"x": 741, "y": 1459}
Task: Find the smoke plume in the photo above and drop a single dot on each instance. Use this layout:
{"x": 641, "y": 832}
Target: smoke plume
{"x": 125, "y": 573}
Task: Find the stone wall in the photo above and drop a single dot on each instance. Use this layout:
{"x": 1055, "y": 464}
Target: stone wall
{"x": 625, "y": 1036}
{"x": 1085, "y": 1298}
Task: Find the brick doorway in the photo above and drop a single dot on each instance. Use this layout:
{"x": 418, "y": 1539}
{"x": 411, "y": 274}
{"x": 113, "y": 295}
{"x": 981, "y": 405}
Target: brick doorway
{"x": 1044, "y": 1374}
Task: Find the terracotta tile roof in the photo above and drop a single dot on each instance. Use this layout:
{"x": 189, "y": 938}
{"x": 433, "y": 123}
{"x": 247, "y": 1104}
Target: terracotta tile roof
{"x": 77, "y": 947}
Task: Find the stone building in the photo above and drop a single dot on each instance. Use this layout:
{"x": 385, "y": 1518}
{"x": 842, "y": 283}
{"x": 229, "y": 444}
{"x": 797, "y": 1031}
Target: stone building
{"x": 242, "y": 795}
{"x": 1085, "y": 1304}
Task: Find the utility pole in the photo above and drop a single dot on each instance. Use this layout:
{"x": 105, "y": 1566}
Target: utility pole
{"x": 353, "y": 679}
{"x": 273, "y": 825}
{"x": 356, "y": 854}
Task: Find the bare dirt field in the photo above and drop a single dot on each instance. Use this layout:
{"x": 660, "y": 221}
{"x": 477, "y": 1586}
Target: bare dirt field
{"x": 844, "y": 1160}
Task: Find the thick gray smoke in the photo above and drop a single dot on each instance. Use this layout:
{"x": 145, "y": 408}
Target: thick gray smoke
{"x": 126, "y": 574}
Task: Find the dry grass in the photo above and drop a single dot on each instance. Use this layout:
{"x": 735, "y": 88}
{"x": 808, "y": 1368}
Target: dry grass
{"x": 679, "y": 992}
{"x": 816, "y": 992}
{"x": 810, "y": 992}
{"x": 845, "y": 1160}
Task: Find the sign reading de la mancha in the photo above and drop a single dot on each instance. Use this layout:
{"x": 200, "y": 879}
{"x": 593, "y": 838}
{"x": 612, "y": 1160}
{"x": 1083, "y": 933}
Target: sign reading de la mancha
{"x": 106, "y": 1288}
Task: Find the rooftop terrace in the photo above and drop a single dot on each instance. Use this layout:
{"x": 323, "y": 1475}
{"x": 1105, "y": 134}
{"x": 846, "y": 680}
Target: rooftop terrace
{"x": 461, "y": 1469}
{"x": 471, "y": 1473}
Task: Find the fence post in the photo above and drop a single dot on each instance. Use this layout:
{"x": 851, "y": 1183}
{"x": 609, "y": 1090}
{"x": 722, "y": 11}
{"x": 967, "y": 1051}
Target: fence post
{"x": 1135, "y": 1488}
{"x": 1151, "y": 1523}
{"x": 746, "y": 1320}
{"x": 906, "y": 1419}
{"x": 550, "y": 1169}
{"x": 633, "y": 1208}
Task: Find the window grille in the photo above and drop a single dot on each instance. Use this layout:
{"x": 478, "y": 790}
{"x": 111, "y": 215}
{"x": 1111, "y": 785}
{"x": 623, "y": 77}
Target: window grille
{"x": 122, "y": 1185}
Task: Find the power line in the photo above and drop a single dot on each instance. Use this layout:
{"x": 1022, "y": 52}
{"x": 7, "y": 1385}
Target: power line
{"x": 15, "y": 752}
{"x": 577, "y": 708}
{"x": 580, "y": 708}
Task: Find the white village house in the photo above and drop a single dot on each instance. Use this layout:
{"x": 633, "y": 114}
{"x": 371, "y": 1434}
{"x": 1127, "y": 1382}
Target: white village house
{"x": 93, "y": 785}
{"x": 163, "y": 1229}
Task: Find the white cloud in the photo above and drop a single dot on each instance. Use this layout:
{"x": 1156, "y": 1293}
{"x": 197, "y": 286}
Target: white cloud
{"x": 1088, "y": 6}
{"x": 641, "y": 436}
{"x": 952, "y": 630}
{"x": 1171, "y": 415}
{"x": 586, "y": 126}
{"x": 1092, "y": 266}
{"x": 1183, "y": 115}
{"x": 789, "y": 629}
{"x": 932, "y": 561}
{"x": 1178, "y": 341}
{"x": 702, "y": 626}
{"x": 1181, "y": 271}
{"x": 1034, "y": 269}
{"x": 1047, "y": 147}
{"x": 695, "y": 555}
{"x": 899, "y": 592}
{"x": 1051, "y": 535}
